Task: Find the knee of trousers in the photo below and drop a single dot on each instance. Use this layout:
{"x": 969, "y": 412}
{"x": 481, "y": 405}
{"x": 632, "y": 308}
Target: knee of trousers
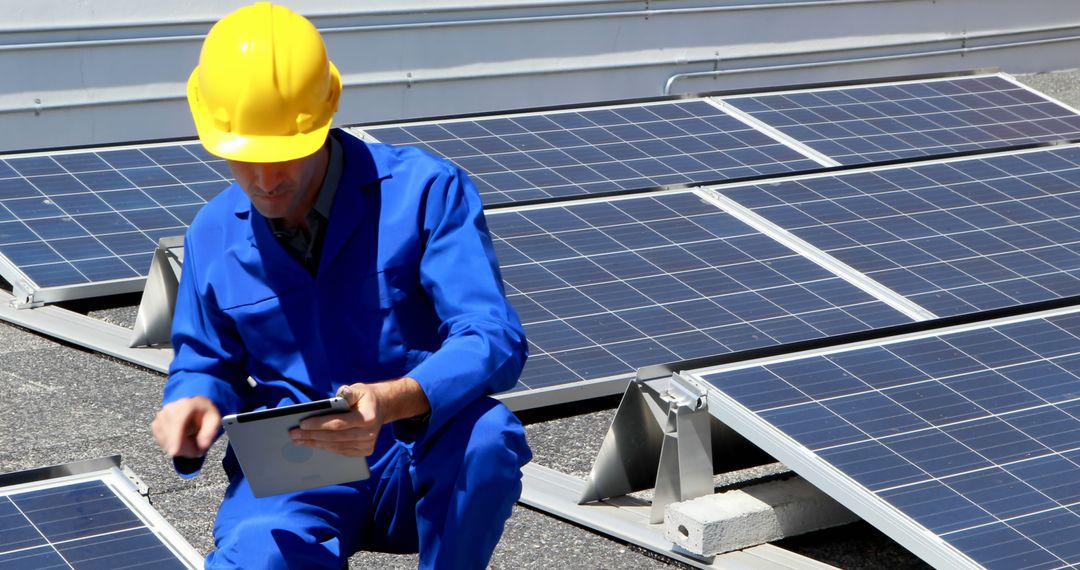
{"x": 495, "y": 452}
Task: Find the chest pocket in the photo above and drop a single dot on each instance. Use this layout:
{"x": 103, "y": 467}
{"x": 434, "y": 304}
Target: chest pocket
{"x": 256, "y": 302}
{"x": 240, "y": 290}
{"x": 349, "y": 321}
{"x": 268, "y": 322}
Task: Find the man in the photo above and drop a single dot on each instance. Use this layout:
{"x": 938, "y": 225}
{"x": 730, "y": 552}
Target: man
{"x": 333, "y": 266}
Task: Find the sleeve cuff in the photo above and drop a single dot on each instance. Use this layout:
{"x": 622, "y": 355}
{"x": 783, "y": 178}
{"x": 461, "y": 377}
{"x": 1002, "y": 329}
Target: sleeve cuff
{"x": 411, "y": 430}
{"x": 188, "y": 467}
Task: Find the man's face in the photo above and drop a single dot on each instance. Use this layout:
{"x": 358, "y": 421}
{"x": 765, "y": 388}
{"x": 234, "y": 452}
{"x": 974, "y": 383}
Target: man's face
{"x": 281, "y": 189}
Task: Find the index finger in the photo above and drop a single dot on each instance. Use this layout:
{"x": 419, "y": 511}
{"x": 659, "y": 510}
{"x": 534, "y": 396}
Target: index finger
{"x": 339, "y": 421}
{"x": 172, "y": 427}
{"x": 208, "y": 430}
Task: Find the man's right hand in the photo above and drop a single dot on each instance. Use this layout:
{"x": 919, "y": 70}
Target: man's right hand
{"x": 187, "y": 427}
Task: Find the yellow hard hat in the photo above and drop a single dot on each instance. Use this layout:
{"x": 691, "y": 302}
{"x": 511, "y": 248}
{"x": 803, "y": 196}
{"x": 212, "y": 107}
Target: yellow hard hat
{"x": 264, "y": 89}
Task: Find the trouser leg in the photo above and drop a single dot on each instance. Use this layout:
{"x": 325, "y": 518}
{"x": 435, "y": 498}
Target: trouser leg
{"x": 466, "y": 478}
{"x": 447, "y": 496}
{"x": 317, "y": 528}
{"x": 295, "y": 530}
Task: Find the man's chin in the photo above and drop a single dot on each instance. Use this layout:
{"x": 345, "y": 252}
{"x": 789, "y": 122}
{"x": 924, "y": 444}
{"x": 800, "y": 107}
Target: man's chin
{"x": 268, "y": 214}
{"x": 270, "y": 208}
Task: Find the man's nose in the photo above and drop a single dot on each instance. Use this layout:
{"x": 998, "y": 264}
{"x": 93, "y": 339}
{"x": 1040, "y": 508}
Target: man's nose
{"x": 268, "y": 176}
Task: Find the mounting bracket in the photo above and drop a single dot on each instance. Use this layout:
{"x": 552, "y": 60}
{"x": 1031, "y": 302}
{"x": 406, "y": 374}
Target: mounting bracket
{"x": 661, "y": 438}
{"x": 153, "y": 325}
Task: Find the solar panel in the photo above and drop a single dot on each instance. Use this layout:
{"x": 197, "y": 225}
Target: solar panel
{"x": 74, "y": 224}
{"x": 599, "y": 150}
{"x": 861, "y": 124}
{"x": 955, "y": 237}
{"x": 964, "y": 446}
{"x": 605, "y": 287}
{"x": 85, "y": 521}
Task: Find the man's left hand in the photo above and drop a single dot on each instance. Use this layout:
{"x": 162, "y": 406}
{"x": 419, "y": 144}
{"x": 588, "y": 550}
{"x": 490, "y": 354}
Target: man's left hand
{"x": 354, "y": 433}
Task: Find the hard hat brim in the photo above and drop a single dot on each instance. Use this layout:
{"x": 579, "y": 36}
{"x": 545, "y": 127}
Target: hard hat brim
{"x": 231, "y": 146}
{"x": 252, "y": 148}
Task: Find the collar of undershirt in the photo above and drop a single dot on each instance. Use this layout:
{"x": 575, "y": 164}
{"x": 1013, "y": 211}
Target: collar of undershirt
{"x": 330, "y": 182}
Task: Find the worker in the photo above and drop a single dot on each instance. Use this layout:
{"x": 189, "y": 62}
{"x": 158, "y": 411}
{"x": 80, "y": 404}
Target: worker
{"x": 333, "y": 266}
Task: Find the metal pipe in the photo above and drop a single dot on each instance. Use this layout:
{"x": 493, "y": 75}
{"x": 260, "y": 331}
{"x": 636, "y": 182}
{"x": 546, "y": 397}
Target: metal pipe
{"x": 648, "y": 12}
{"x": 40, "y": 107}
{"x": 867, "y": 59}
{"x": 37, "y": 107}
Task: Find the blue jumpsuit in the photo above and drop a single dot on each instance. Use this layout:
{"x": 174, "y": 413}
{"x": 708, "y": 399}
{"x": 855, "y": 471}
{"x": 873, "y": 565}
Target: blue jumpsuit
{"x": 407, "y": 285}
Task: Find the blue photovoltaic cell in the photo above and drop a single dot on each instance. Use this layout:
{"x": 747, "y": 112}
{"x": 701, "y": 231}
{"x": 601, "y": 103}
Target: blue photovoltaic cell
{"x": 15, "y": 531}
{"x": 40, "y": 558}
{"x": 974, "y": 435}
{"x": 857, "y": 125}
{"x": 590, "y": 151}
{"x": 81, "y": 525}
{"x": 956, "y": 237}
{"x": 86, "y": 217}
{"x": 605, "y": 288}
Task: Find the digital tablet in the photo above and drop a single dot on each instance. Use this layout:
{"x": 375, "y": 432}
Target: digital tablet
{"x": 274, "y": 465}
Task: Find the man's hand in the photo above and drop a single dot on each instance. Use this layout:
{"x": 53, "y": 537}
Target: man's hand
{"x": 187, "y": 427}
{"x": 354, "y": 433}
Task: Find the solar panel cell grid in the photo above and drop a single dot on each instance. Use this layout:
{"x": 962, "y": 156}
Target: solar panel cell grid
{"x": 973, "y": 435}
{"x": 82, "y": 525}
{"x": 70, "y": 219}
{"x": 531, "y": 157}
{"x": 858, "y": 125}
{"x": 604, "y": 288}
{"x": 955, "y": 237}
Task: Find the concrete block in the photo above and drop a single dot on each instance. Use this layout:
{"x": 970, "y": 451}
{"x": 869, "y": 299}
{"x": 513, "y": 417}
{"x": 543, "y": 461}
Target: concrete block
{"x": 754, "y": 515}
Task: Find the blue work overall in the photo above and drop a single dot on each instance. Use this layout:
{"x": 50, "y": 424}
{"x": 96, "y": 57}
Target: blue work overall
{"x": 407, "y": 285}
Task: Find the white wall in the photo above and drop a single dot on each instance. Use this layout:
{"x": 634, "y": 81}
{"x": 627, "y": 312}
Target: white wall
{"x": 75, "y": 72}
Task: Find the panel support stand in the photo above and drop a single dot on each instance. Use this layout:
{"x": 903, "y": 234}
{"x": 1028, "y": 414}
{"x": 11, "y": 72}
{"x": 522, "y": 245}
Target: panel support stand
{"x": 153, "y": 325}
{"x": 661, "y": 438}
